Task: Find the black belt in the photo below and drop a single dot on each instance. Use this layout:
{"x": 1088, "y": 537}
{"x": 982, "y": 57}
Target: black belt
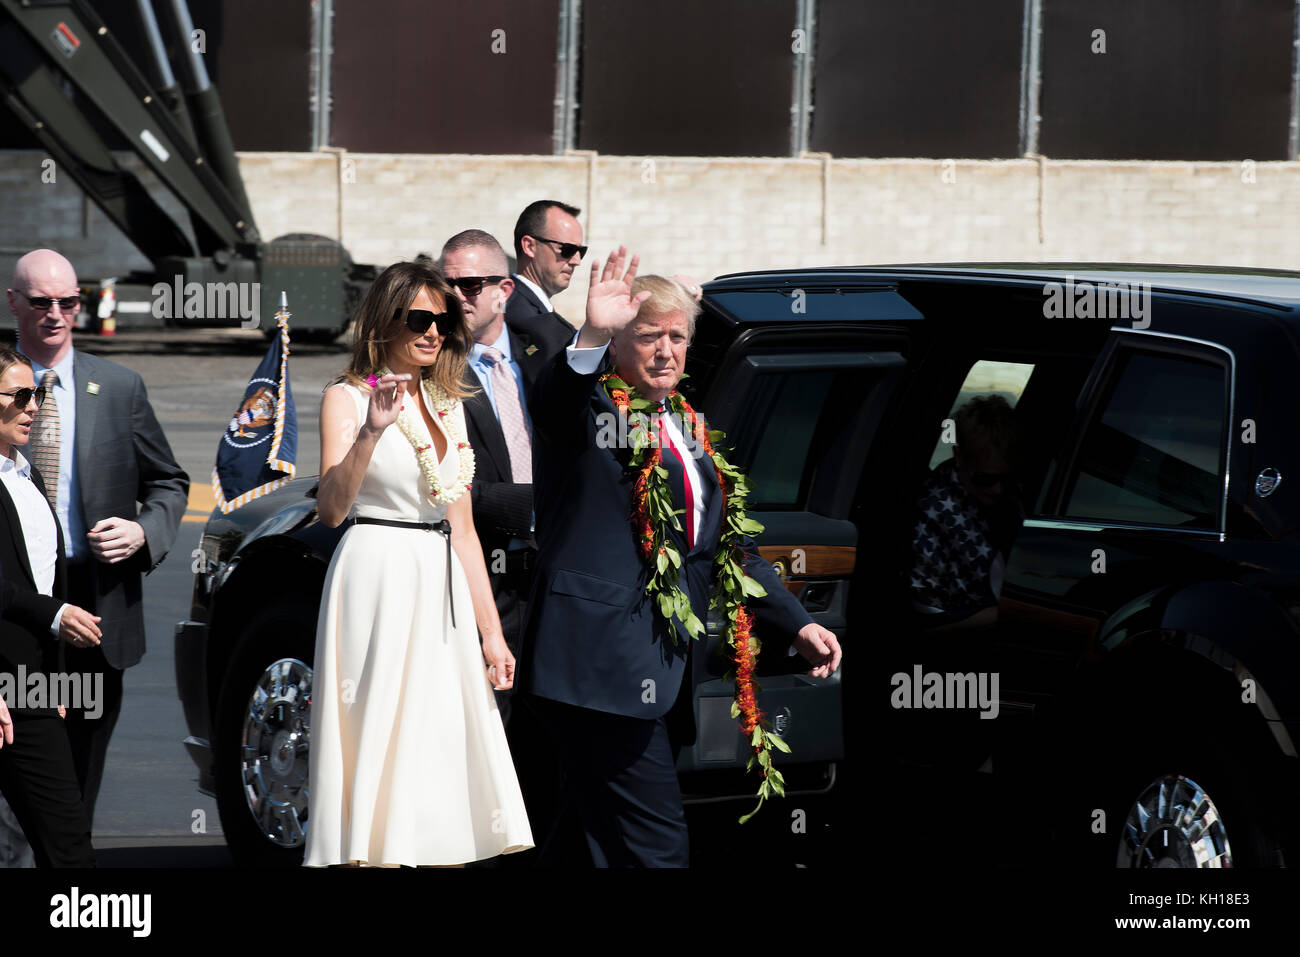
{"x": 444, "y": 526}
{"x": 520, "y": 560}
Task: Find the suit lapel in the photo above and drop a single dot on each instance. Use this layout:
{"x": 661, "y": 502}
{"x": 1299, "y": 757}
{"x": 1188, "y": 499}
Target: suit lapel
{"x": 493, "y": 441}
{"x": 533, "y": 302}
{"x": 19, "y": 543}
{"x": 711, "y": 529}
{"x": 87, "y": 409}
{"x": 711, "y": 526}
{"x": 530, "y": 362}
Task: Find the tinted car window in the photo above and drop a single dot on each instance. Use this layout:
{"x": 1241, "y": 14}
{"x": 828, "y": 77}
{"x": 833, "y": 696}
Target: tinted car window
{"x": 782, "y": 450}
{"x": 1154, "y": 456}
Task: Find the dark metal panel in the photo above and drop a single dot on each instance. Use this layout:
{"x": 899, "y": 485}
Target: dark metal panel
{"x": 683, "y": 78}
{"x": 921, "y": 78}
{"x": 413, "y": 76}
{"x": 1203, "y": 81}
{"x": 259, "y": 56}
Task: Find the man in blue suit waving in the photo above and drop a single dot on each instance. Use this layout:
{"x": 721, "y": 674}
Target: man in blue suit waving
{"x": 603, "y": 666}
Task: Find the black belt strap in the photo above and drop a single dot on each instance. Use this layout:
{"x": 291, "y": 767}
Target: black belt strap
{"x": 444, "y": 526}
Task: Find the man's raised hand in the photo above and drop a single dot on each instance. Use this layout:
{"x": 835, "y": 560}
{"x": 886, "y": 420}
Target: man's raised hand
{"x": 610, "y": 303}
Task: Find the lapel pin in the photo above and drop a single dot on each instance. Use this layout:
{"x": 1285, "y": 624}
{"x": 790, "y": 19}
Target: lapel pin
{"x": 92, "y": 388}
{"x": 530, "y": 350}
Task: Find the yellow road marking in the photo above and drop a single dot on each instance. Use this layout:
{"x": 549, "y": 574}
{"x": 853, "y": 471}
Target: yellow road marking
{"x": 201, "y": 502}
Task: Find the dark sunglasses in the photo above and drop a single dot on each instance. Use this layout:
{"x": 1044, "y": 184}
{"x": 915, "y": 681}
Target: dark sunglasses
{"x": 473, "y": 285}
{"x": 419, "y": 321}
{"x": 566, "y": 249}
{"x": 23, "y": 396}
{"x": 66, "y": 303}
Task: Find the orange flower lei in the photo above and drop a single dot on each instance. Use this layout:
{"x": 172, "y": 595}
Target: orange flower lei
{"x": 652, "y": 513}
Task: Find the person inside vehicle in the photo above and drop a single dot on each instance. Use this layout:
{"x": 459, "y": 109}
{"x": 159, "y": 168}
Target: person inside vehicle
{"x": 967, "y": 517}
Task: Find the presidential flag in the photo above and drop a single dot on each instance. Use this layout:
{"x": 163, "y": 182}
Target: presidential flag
{"x": 259, "y": 446}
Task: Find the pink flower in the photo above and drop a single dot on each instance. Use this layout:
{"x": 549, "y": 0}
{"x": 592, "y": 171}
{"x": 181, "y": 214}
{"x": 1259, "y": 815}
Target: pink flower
{"x": 372, "y": 380}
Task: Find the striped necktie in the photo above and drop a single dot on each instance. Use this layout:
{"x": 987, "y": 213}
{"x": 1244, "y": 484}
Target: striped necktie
{"x": 46, "y": 438}
{"x": 510, "y": 412}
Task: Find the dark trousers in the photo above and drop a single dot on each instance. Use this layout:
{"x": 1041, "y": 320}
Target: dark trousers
{"x": 536, "y": 766}
{"x": 89, "y": 736}
{"x": 621, "y": 796}
{"x": 38, "y": 781}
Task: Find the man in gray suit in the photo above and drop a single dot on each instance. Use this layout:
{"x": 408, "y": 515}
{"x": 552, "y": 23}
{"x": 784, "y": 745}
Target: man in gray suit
{"x": 101, "y": 451}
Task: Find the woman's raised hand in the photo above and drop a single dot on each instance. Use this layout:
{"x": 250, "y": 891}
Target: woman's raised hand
{"x": 386, "y": 398}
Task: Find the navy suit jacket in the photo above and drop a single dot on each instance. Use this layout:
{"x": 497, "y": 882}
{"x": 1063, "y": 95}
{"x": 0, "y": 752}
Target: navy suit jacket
{"x": 594, "y": 637}
{"x": 526, "y": 315}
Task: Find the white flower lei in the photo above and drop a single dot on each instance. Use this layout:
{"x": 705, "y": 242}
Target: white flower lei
{"x": 442, "y": 406}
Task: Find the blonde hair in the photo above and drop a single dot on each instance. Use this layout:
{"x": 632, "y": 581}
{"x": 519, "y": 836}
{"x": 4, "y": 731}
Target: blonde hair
{"x": 666, "y": 295}
{"x": 381, "y": 321}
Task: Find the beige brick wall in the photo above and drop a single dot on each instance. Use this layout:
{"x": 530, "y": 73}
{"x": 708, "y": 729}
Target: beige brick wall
{"x": 708, "y": 216}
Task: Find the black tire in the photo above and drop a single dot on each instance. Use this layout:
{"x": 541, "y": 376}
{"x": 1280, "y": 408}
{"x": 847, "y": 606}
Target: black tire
{"x": 281, "y": 634}
{"x": 1193, "y": 746}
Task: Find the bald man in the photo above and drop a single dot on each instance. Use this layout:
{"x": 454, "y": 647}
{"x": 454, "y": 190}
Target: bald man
{"x": 114, "y": 483}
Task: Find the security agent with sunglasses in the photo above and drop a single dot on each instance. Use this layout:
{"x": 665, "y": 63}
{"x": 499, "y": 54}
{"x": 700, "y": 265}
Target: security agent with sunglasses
{"x": 503, "y": 365}
{"x": 115, "y": 485}
{"x": 967, "y": 517}
{"x": 548, "y": 247}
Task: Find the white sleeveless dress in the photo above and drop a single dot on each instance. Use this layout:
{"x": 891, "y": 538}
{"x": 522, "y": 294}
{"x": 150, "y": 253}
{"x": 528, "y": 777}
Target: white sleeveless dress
{"x": 408, "y": 762}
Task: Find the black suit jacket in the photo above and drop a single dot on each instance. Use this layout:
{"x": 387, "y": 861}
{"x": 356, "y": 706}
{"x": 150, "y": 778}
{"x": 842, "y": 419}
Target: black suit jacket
{"x": 593, "y": 637}
{"x": 123, "y": 458}
{"x": 503, "y": 508}
{"x": 526, "y": 315}
{"x": 25, "y": 614}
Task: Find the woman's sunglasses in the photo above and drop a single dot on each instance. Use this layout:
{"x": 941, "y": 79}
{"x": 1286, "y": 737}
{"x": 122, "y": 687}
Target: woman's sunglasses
{"x": 23, "y": 396}
{"x": 419, "y": 321}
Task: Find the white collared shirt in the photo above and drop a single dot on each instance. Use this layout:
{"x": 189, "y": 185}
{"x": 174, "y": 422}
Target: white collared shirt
{"x": 543, "y": 297}
{"x": 40, "y": 534}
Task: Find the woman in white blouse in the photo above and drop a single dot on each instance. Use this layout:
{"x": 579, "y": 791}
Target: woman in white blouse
{"x": 36, "y": 772}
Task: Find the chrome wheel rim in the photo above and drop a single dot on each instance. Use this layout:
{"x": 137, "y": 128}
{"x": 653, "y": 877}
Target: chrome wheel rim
{"x": 274, "y": 750}
{"x": 1174, "y": 823}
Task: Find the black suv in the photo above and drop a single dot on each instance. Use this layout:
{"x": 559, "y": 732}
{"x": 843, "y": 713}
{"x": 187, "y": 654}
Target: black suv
{"x": 1146, "y": 642}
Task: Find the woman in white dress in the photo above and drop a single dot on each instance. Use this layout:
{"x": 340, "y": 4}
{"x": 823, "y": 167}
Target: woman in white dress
{"x": 409, "y": 762}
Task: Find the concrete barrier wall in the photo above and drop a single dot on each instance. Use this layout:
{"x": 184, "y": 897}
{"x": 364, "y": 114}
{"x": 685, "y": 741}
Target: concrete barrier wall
{"x": 708, "y": 216}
